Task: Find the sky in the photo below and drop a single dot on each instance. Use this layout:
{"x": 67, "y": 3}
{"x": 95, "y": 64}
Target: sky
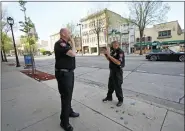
{"x": 49, "y": 17}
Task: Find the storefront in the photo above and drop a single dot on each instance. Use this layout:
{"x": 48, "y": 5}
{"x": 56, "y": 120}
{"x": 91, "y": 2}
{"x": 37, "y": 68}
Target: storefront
{"x": 175, "y": 43}
{"x": 147, "y": 47}
{"x": 85, "y": 49}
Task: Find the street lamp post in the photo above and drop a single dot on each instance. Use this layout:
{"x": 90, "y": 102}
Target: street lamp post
{"x": 144, "y": 43}
{"x": 81, "y": 37}
{"x": 10, "y": 21}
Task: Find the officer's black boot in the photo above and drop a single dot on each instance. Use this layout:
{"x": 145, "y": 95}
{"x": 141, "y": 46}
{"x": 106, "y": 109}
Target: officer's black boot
{"x": 107, "y": 99}
{"x": 119, "y": 103}
{"x": 67, "y": 127}
{"x": 74, "y": 114}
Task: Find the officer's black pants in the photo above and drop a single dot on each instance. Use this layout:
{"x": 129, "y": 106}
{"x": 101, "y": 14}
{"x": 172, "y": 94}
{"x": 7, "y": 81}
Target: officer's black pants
{"x": 65, "y": 86}
{"x": 115, "y": 82}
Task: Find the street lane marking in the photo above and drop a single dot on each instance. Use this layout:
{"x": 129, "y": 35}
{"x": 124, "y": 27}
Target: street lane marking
{"x": 181, "y": 74}
{"x": 141, "y": 71}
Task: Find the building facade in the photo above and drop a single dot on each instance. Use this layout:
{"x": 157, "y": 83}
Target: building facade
{"x": 56, "y": 37}
{"x": 167, "y": 34}
{"x": 100, "y": 23}
{"x": 44, "y": 44}
{"x": 125, "y": 34}
{"x": 53, "y": 39}
{"x": 77, "y": 40}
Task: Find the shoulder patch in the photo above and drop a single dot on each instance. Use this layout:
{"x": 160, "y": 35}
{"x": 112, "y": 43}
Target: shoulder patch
{"x": 121, "y": 55}
{"x": 63, "y": 44}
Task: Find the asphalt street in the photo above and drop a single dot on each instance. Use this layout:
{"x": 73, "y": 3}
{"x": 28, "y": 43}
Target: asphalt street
{"x": 158, "y": 82}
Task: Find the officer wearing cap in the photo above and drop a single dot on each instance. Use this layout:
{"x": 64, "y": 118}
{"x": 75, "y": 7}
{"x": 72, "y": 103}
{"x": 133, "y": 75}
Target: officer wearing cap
{"x": 116, "y": 59}
{"x": 64, "y": 72}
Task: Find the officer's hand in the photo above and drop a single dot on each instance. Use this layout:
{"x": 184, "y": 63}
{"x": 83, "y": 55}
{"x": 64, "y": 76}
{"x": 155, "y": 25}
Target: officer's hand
{"x": 71, "y": 41}
{"x": 104, "y": 51}
{"x": 108, "y": 51}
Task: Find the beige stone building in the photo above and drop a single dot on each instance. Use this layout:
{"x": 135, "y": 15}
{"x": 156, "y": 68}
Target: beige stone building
{"x": 77, "y": 40}
{"x": 167, "y": 34}
{"x": 53, "y": 39}
{"x": 56, "y": 37}
{"x": 105, "y": 20}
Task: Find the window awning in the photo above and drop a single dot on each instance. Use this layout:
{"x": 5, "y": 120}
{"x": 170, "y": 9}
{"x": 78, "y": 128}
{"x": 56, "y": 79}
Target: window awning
{"x": 173, "y": 42}
{"x": 148, "y": 43}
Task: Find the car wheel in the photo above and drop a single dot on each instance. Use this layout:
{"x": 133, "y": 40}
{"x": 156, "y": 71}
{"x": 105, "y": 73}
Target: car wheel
{"x": 153, "y": 58}
{"x": 181, "y": 58}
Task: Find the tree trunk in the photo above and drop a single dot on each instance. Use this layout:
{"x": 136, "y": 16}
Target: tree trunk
{"x": 2, "y": 58}
{"x": 98, "y": 43}
{"x": 141, "y": 36}
{"x": 5, "y": 59}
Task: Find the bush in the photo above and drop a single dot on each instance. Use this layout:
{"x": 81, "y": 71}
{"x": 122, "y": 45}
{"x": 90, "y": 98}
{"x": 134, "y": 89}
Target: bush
{"x": 47, "y": 53}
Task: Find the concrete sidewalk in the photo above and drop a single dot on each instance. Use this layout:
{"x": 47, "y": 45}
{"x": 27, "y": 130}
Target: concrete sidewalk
{"x": 28, "y": 105}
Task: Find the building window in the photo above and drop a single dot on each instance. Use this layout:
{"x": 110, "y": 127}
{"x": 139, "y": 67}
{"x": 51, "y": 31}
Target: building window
{"x": 164, "y": 33}
{"x": 137, "y": 40}
{"x": 149, "y": 38}
{"x": 110, "y": 39}
{"x": 85, "y": 25}
{"x": 143, "y": 39}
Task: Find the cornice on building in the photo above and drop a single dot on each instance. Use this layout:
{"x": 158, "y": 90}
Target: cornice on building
{"x": 98, "y": 14}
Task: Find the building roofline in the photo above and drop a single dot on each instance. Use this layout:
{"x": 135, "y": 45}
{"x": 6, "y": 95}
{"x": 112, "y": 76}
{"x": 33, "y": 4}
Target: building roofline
{"x": 98, "y": 13}
{"x": 167, "y": 22}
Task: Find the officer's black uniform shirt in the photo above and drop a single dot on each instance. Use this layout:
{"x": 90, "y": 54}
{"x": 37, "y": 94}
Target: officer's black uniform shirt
{"x": 63, "y": 61}
{"x": 119, "y": 55}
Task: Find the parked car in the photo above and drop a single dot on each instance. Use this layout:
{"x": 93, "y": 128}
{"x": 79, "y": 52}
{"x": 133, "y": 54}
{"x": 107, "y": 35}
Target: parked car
{"x": 9, "y": 55}
{"x": 167, "y": 55}
{"x": 47, "y": 53}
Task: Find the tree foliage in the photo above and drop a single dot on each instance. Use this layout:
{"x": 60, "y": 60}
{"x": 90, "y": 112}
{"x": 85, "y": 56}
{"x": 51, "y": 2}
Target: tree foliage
{"x": 25, "y": 42}
{"x": 7, "y": 42}
{"x": 27, "y": 26}
{"x": 144, "y": 13}
{"x": 42, "y": 50}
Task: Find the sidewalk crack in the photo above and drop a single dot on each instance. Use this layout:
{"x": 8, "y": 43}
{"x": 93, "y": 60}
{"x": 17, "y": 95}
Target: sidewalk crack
{"x": 164, "y": 120}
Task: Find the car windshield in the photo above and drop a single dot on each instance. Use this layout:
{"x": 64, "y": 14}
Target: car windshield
{"x": 168, "y": 51}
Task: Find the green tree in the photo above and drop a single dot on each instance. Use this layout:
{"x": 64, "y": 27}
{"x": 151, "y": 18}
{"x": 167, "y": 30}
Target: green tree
{"x": 25, "y": 42}
{"x": 7, "y": 42}
{"x": 42, "y": 50}
{"x": 28, "y": 27}
{"x": 146, "y": 13}
{"x": 5, "y": 28}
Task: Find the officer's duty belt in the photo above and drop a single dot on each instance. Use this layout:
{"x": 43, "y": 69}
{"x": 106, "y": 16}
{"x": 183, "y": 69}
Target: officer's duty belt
{"x": 64, "y": 70}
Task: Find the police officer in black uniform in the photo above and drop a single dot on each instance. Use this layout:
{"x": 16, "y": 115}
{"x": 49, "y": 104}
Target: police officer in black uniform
{"x": 64, "y": 72}
{"x": 116, "y": 63}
